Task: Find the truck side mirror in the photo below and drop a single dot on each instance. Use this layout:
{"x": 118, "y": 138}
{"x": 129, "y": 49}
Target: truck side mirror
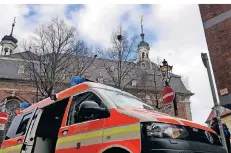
{"x": 88, "y": 108}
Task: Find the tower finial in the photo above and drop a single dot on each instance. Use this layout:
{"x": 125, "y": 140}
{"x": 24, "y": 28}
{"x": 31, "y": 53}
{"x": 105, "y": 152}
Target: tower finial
{"x": 13, "y": 27}
{"x": 142, "y": 31}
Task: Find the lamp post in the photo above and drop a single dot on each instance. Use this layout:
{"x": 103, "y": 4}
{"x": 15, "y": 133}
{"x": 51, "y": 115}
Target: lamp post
{"x": 205, "y": 61}
{"x": 165, "y": 70}
{"x": 168, "y": 93}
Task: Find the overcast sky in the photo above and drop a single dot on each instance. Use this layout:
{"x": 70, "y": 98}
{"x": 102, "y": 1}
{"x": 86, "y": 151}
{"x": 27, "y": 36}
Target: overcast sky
{"x": 174, "y": 32}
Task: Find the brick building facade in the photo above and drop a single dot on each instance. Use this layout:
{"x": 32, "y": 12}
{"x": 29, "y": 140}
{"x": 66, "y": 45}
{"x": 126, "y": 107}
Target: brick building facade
{"x": 217, "y": 27}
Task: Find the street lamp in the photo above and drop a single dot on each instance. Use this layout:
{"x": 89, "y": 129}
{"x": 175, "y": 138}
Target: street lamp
{"x": 205, "y": 61}
{"x": 165, "y": 71}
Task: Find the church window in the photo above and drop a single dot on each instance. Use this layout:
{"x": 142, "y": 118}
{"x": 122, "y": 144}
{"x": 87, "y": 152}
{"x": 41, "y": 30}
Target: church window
{"x": 142, "y": 65}
{"x": 21, "y": 69}
{"x": 147, "y": 55}
{"x": 6, "y": 49}
{"x": 64, "y": 76}
{"x": 133, "y": 82}
{"x": 142, "y": 54}
{"x": 112, "y": 68}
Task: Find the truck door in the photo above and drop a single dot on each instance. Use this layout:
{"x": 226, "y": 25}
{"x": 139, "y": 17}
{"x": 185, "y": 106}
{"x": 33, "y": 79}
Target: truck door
{"x": 81, "y": 134}
{"x": 29, "y": 140}
{"x": 16, "y": 134}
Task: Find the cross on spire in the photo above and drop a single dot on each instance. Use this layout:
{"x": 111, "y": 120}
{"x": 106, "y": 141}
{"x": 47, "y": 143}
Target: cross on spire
{"x": 13, "y": 27}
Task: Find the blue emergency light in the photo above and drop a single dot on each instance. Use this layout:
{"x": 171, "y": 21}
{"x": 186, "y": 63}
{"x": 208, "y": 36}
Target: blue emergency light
{"x": 77, "y": 80}
{"x": 24, "y": 105}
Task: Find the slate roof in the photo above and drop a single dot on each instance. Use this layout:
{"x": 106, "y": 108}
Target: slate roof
{"x": 26, "y": 55}
{"x": 11, "y": 38}
{"x": 9, "y": 69}
{"x": 143, "y": 43}
{"x": 212, "y": 114}
{"x": 9, "y": 66}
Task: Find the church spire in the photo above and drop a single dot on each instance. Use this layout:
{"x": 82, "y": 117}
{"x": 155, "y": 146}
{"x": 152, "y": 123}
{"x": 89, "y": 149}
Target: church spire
{"x": 12, "y": 29}
{"x": 9, "y": 43}
{"x": 143, "y": 50}
{"x": 142, "y": 30}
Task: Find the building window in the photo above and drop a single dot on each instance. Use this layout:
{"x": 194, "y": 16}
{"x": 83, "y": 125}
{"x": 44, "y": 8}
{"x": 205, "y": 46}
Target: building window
{"x": 142, "y": 54}
{"x": 112, "y": 68}
{"x": 147, "y": 55}
{"x": 21, "y": 69}
{"x": 148, "y": 97}
{"x": 133, "y": 82}
{"x": 142, "y": 65}
{"x": 6, "y": 49}
{"x": 64, "y": 76}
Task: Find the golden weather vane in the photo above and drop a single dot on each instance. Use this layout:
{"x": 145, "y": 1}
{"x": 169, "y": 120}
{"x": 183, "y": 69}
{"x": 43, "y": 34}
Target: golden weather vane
{"x": 141, "y": 17}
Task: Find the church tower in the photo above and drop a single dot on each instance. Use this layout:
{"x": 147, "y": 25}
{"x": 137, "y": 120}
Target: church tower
{"x": 143, "y": 51}
{"x": 9, "y": 43}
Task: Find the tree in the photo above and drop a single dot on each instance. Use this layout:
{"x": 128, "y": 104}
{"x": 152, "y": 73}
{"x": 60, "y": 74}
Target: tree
{"x": 120, "y": 58}
{"x": 149, "y": 82}
{"x": 83, "y": 58}
{"x": 52, "y": 52}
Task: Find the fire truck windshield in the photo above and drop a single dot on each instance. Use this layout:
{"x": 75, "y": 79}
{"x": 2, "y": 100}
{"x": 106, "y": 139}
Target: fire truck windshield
{"x": 124, "y": 100}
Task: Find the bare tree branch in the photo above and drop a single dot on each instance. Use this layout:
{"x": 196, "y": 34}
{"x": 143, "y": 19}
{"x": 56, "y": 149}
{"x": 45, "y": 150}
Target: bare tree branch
{"x": 54, "y": 54}
{"x": 120, "y": 58}
{"x": 49, "y": 53}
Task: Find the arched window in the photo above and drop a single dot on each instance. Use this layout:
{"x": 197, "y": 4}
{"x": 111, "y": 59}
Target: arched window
{"x": 6, "y": 49}
{"x": 142, "y": 54}
{"x": 10, "y": 107}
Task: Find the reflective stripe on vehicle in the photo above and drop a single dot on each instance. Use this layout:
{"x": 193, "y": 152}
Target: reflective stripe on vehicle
{"x": 126, "y": 132}
{"x": 13, "y": 149}
{"x": 71, "y": 91}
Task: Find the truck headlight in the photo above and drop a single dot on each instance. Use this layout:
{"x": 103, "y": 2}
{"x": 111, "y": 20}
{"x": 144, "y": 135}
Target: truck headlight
{"x": 162, "y": 130}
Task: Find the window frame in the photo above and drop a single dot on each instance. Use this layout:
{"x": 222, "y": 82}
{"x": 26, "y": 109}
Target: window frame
{"x": 143, "y": 55}
{"x": 16, "y": 123}
{"x": 27, "y": 118}
{"x": 21, "y": 69}
{"x": 134, "y": 83}
{"x": 143, "y": 65}
{"x": 71, "y": 106}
